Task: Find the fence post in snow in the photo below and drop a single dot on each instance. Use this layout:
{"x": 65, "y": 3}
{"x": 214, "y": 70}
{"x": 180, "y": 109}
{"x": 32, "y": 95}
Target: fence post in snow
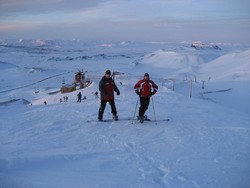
{"x": 191, "y": 87}
{"x": 203, "y": 84}
{"x": 173, "y": 83}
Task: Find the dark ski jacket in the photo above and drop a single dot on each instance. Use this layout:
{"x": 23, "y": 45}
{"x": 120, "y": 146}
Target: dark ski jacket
{"x": 79, "y": 95}
{"x": 145, "y": 88}
{"x": 107, "y": 88}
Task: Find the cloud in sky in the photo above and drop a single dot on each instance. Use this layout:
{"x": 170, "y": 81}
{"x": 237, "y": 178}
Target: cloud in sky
{"x": 161, "y": 20}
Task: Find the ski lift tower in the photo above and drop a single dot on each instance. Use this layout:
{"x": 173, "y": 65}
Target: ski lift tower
{"x": 79, "y": 78}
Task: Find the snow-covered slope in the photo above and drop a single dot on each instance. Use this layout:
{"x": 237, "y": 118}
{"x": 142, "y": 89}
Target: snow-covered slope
{"x": 170, "y": 62}
{"x": 206, "y": 143}
{"x": 234, "y": 65}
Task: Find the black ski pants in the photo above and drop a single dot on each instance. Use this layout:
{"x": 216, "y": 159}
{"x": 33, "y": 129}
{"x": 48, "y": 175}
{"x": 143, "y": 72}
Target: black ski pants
{"x": 103, "y": 105}
{"x": 144, "y": 105}
{"x": 79, "y": 99}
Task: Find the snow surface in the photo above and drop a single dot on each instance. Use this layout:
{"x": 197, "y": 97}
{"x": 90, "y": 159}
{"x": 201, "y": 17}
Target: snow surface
{"x": 206, "y": 143}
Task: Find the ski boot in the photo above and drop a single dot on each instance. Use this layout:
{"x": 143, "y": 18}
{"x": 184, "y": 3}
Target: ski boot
{"x": 100, "y": 118}
{"x": 115, "y": 117}
{"x": 140, "y": 118}
{"x": 146, "y": 118}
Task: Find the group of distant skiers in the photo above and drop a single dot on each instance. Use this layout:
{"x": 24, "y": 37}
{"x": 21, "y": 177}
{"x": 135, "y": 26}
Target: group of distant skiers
{"x": 65, "y": 99}
{"x": 145, "y": 88}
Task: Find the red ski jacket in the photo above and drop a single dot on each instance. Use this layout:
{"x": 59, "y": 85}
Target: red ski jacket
{"x": 145, "y": 88}
{"x": 107, "y": 88}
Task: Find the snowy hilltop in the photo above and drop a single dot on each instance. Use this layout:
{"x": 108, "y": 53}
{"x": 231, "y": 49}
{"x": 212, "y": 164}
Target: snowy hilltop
{"x": 47, "y": 141}
{"x": 199, "y": 45}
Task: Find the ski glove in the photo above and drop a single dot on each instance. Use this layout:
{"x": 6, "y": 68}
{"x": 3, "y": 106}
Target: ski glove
{"x": 152, "y": 93}
{"x": 118, "y": 92}
{"x": 138, "y": 93}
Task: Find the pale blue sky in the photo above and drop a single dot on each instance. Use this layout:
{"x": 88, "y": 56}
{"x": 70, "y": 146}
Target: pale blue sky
{"x": 118, "y": 20}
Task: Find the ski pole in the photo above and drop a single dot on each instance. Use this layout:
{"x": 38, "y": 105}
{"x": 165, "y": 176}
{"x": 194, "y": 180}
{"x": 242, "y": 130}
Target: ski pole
{"x": 154, "y": 109}
{"x": 135, "y": 110}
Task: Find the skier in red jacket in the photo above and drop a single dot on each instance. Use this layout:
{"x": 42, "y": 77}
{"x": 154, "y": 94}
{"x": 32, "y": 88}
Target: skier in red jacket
{"x": 145, "y": 89}
{"x": 107, "y": 87}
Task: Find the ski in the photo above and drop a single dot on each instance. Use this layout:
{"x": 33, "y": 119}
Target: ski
{"x": 110, "y": 120}
{"x": 149, "y": 120}
{"x": 128, "y": 119}
{"x": 119, "y": 119}
{"x": 146, "y": 119}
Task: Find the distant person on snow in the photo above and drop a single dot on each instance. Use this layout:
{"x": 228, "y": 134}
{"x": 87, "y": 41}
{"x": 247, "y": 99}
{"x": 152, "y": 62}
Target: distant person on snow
{"x": 107, "y": 87}
{"x": 96, "y": 95}
{"x": 79, "y": 95}
{"x": 145, "y": 88}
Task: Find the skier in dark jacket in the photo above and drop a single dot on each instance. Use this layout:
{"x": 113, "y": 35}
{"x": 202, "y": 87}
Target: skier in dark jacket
{"x": 79, "y": 97}
{"x": 107, "y": 87}
{"x": 145, "y": 88}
